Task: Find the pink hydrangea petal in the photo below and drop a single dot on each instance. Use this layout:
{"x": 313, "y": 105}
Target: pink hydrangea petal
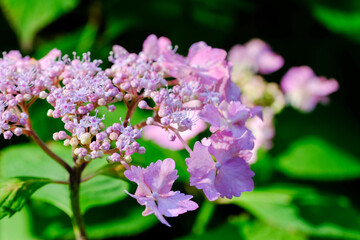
{"x": 150, "y": 47}
{"x": 270, "y": 62}
{"x": 304, "y": 90}
{"x": 211, "y": 114}
{"x": 47, "y": 60}
{"x": 160, "y": 176}
{"x": 159, "y": 135}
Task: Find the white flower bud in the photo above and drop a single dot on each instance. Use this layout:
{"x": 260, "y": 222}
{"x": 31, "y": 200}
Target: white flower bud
{"x": 85, "y": 138}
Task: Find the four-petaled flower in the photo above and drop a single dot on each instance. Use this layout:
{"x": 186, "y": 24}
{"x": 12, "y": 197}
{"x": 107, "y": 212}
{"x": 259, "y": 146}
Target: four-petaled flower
{"x": 154, "y": 190}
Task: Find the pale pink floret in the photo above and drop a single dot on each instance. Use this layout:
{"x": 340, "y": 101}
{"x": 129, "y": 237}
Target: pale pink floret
{"x": 304, "y": 90}
{"x": 263, "y": 131}
{"x": 257, "y": 56}
{"x": 160, "y": 135}
{"x": 154, "y": 47}
{"x": 154, "y": 190}
{"x": 228, "y": 176}
{"x": 203, "y": 63}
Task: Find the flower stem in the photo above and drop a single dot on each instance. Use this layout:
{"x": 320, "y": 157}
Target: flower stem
{"x": 77, "y": 220}
{"x": 50, "y": 153}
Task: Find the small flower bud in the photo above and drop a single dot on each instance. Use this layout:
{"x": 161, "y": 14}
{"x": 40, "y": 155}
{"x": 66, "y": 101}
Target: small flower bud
{"x": 62, "y": 135}
{"x": 115, "y": 157}
{"x": 102, "y": 102}
{"x": 128, "y": 159}
{"x": 74, "y": 142}
{"x": 119, "y": 96}
{"x": 141, "y": 150}
{"x": 66, "y": 142}
{"x": 149, "y": 120}
{"x": 142, "y": 104}
{"x": 128, "y": 97}
{"x": 7, "y": 135}
{"x": 27, "y": 97}
{"x": 49, "y": 113}
{"x": 105, "y": 146}
{"x": 43, "y": 95}
{"x": 56, "y": 136}
{"x": 113, "y": 136}
{"x": 111, "y": 108}
{"x": 18, "y": 131}
{"x": 85, "y": 138}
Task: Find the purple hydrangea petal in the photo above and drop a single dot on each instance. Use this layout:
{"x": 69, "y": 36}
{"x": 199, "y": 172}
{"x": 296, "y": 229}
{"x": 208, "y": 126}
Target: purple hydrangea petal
{"x": 175, "y": 203}
{"x": 234, "y": 177}
{"x": 202, "y": 171}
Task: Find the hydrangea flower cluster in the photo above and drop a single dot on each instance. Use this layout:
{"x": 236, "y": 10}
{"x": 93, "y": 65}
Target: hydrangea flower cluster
{"x": 185, "y": 94}
{"x": 22, "y": 81}
{"x": 300, "y": 88}
{"x": 304, "y": 90}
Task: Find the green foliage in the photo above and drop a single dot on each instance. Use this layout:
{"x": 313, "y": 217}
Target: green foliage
{"x": 15, "y": 192}
{"x": 340, "y": 20}
{"x": 301, "y": 209}
{"x": 28, "y": 17}
{"x": 257, "y": 230}
{"x": 28, "y": 159}
{"x": 18, "y": 226}
{"x": 314, "y": 158}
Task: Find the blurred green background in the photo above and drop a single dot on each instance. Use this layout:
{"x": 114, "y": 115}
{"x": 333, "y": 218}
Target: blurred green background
{"x": 307, "y": 186}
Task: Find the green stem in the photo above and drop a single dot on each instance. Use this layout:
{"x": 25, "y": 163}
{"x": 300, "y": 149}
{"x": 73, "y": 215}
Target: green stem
{"x": 77, "y": 220}
{"x": 50, "y": 153}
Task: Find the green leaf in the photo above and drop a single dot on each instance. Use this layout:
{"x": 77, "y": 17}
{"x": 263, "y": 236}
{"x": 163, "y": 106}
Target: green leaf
{"x": 26, "y": 159}
{"x": 300, "y": 209}
{"x": 87, "y": 37}
{"x": 99, "y": 191}
{"x": 312, "y": 158}
{"x": 257, "y": 230}
{"x": 122, "y": 218}
{"x": 17, "y": 227}
{"x": 29, "y": 160}
{"x": 15, "y": 192}
{"x": 339, "y": 21}
{"x": 28, "y": 17}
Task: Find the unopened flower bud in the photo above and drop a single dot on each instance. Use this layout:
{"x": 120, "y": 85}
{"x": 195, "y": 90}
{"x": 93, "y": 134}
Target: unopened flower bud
{"x": 85, "y": 138}
{"x": 102, "y": 102}
{"x": 18, "y": 131}
{"x": 56, "y": 136}
{"x": 7, "y": 135}
{"x": 74, "y": 142}
{"x": 128, "y": 97}
{"x": 111, "y": 108}
{"x": 27, "y": 97}
{"x": 43, "y": 95}
{"x": 119, "y": 96}
{"x": 66, "y": 142}
{"x": 113, "y": 136}
{"x": 128, "y": 159}
{"x": 142, "y": 104}
{"x": 49, "y": 113}
{"x": 149, "y": 120}
{"x": 115, "y": 157}
{"x": 62, "y": 135}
